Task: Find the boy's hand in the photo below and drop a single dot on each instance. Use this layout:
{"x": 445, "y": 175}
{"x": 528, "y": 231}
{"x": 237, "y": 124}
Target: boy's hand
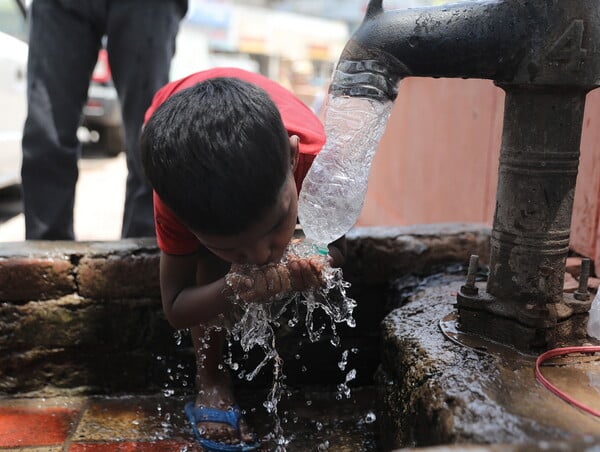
{"x": 266, "y": 282}
{"x": 306, "y": 273}
{"x": 262, "y": 284}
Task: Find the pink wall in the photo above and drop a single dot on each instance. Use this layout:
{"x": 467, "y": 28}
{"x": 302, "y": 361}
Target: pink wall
{"x": 438, "y": 160}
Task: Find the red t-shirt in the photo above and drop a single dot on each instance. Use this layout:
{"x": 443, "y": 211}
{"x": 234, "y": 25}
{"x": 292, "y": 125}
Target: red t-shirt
{"x": 171, "y": 235}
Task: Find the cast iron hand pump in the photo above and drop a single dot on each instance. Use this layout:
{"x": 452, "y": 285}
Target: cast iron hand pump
{"x": 545, "y": 54}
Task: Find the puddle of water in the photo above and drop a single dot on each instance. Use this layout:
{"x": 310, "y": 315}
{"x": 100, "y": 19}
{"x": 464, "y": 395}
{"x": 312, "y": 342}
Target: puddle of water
{"x": 449, "y": 327}
{"x": 576, "y": 375}
{"x": 514, "y": 385}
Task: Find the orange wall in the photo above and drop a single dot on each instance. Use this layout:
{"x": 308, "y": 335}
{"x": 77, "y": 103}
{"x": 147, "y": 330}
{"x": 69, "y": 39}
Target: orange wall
{"x": 438, "y": 160}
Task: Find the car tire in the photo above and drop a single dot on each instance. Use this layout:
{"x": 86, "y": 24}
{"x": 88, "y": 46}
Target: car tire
{"x": 112, "y": 140}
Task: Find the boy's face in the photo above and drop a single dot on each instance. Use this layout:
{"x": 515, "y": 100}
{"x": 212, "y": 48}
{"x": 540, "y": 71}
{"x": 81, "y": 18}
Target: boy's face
{"x": 264, "y": 242}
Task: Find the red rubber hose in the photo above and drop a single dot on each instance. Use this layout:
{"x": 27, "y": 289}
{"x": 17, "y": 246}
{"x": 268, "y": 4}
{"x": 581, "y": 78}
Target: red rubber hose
{"x": 561, "y": 352}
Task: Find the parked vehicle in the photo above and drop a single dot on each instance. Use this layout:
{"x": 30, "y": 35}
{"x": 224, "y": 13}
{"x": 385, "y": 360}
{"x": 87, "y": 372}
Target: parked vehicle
{"x": 13, "y": 92}
{"x": 102, "y": 111}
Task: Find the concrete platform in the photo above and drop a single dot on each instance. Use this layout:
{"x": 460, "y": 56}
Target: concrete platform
{"x": 435, "y": 391}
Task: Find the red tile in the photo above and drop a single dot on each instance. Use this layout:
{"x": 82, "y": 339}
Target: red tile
{"x": 135, "y": 446}
{"x": 34, "y": 427}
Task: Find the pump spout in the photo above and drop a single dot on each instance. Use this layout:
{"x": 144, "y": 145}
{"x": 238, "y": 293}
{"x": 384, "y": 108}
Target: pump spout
{"x": 505, "y": 41}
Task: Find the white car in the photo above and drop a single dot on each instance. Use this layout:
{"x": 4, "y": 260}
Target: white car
{"x": 13, "y": 101}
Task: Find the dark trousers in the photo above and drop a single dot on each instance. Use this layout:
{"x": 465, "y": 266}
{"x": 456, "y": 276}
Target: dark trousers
{"x": 65, "y": 37}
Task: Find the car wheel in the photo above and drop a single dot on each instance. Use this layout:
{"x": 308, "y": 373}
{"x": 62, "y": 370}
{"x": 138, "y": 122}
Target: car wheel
{"x": 112, "y": 141}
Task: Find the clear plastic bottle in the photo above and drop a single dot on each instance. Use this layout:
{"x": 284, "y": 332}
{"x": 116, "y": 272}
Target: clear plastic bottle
{"x": 335, "y": 187}
{"x": 593, "y": 327}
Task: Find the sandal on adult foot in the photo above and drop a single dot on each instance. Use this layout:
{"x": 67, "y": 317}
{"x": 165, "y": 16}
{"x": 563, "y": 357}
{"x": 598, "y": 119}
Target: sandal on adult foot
{"x": 230, "y": 417}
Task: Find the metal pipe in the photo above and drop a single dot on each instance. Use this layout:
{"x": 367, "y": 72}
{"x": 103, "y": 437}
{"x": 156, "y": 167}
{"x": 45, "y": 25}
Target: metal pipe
{"x": 530, "y": 42}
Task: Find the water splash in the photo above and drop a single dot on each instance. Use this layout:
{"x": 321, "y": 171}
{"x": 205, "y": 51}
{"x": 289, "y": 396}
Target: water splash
{"x": 370, "y": 418}
{"x": 256, "y": 324}
{"x": 343, "y": 388}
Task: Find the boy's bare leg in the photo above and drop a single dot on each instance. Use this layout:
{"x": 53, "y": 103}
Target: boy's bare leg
{"x": 215, "y": 388}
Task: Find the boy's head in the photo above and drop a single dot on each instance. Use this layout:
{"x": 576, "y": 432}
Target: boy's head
{"x": 219, "y": 156}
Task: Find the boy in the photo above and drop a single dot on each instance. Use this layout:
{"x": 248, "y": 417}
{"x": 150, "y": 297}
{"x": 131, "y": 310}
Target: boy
{"x": 226, "y": 151}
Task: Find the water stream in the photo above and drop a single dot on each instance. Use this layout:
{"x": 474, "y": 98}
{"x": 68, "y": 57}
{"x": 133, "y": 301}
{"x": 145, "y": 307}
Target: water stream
{"x": 254, "y": 327}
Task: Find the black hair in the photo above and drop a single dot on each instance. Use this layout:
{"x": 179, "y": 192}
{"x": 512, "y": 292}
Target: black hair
{"x": 217, "y": 154}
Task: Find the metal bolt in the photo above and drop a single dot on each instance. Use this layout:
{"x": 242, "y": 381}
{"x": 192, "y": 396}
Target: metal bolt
{"x": 582, "y": 293}
{"x": 469, "y": 288}
{"x": 473, "y": 266}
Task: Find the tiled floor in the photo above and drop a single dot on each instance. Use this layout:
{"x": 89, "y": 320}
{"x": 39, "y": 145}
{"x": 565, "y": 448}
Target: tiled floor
{"x": 77, "y": 424}
{"x": 157, "y": 423}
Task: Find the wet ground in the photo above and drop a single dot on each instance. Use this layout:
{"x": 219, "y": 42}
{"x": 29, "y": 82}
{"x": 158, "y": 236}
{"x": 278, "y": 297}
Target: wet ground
{"x": 313, "y": 419}
{"x": 442, "y": 388}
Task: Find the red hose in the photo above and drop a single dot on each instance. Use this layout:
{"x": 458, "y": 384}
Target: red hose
{"x": 561, "y": 352}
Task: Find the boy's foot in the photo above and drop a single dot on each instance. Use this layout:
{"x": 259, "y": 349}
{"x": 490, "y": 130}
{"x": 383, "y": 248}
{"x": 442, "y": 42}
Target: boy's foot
{"x": 230, "y": 417}
{"x": 228, "y": 427}
{"x": 221, "y": 398}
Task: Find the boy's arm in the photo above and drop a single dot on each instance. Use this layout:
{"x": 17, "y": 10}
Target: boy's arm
{"x": 192, "y": 288}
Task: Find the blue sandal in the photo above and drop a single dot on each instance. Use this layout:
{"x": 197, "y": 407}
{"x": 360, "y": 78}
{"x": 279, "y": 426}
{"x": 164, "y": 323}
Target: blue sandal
{"x": 230, "y": 417}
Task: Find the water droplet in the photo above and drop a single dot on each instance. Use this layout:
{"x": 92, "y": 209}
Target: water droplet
{"x": 370, "y": 417}
{"x": 269, "y": 405}
{"x": 323, "y": 446}
{"x": 351, "y": 375}
{"x": 344, "y": 361}
{"x": 178, "y": 337}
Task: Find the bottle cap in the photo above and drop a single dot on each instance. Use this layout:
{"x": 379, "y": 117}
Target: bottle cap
{"x": 321, "y": 249}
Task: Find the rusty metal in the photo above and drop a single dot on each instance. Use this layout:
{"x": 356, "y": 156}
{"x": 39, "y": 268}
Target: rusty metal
{"x": 545, "y": 55}
{"x": 469, "y": 286}
{"x": 582, "y": 293}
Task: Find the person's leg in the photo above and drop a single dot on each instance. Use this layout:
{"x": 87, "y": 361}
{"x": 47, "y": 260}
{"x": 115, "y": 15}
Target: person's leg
{"x": 141, "y": 43}
{"x": 215, "y": 388}
{"x": 63, "y": 47}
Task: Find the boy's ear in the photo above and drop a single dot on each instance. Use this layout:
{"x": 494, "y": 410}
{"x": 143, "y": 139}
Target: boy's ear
{"x": 294, "y": 150}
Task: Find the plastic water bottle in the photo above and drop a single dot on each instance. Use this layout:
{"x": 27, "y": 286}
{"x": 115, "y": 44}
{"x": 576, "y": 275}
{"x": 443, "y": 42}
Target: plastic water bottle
{"x": 335, "y": 187}
{"x": 593, "y": 327}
